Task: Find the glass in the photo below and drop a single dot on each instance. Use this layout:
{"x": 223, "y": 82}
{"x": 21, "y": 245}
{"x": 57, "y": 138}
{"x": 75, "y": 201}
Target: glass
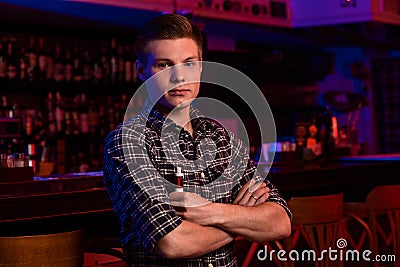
{"x": 19, "y": 159}
{"x": 3, "y": 160}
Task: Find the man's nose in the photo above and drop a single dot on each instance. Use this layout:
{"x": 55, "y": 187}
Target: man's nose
{"x": 177, "y": 74}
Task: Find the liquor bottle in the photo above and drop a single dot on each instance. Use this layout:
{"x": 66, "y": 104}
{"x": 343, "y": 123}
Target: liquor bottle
{"x": 32, "y": 60}
{"x": 69, "y": 67}
{"x": 105, "y": 64}
{"x": 23, "y": 64}
{"x": 93, "y": 118}
{"x": 128, "y": 65}
{"x": 327, "y": 133}
{"x": 110, "y": 113}
{"x": 43, "y": 60}
{"x": 121, "y": 64}
{"x": 50, "y": 64}
{"x": 98, "y": 69}
{"x": 50, "y": 108}
{"x": 78, "y": 70}
{"x": 59, "y": 64}
{"x": 68, "y": 121}
{"x": 103, "y": 129}
{"x": 84, "y": 115}
{"x": 76, "y": 122}
{"x": 6, "y": 110}
{"x": 113, "y": 61}
{"x": 3, "y": 63}
{"x": 87, "y": 66}
{"x": 59, "y": 113}
{"x": 12, "y": 61}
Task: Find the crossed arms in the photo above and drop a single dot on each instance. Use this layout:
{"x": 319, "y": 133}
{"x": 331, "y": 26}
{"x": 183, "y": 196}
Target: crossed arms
{"x": 208, "y": 227}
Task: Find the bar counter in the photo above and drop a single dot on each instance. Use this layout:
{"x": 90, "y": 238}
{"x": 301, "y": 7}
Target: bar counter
{"x": 64, "y": 202}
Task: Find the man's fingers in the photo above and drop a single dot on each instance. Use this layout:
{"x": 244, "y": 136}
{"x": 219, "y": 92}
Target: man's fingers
{"x": 243, "y": 191}
{"x": 262, "y": 199}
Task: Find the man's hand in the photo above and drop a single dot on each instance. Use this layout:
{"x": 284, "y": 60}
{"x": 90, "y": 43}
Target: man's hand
{"x": 192, "y": 207}
{"x": 187, "y": 199}
{"x": 252, "y": 194}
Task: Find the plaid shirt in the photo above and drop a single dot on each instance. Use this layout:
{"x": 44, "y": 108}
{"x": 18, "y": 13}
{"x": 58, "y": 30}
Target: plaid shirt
{"x": 141, "y": 156}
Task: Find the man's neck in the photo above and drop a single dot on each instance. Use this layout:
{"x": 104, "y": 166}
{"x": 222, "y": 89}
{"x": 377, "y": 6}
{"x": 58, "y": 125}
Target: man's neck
{"x": 181, "y": 116}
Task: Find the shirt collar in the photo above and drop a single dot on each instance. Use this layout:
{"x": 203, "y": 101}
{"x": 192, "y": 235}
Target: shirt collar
{"x": 156, "y": 119}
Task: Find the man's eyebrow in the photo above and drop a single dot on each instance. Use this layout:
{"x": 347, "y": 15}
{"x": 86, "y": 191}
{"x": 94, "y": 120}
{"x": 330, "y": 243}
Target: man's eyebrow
{"x": 169, "y": 60}
{"x": 192, "y": 58}
{"x": 163, "y": 59}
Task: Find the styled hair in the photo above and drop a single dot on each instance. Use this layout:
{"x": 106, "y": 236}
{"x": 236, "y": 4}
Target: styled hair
{"x": 168, "y": 26}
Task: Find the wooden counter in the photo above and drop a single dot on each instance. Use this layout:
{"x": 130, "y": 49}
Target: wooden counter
{"x": 81, "y": 201}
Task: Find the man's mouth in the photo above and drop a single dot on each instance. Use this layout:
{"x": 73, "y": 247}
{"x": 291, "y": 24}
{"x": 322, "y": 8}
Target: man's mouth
{"x": 178, "y": 91}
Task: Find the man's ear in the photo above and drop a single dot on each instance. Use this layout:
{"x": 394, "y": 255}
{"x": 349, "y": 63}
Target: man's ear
{"x": 140, "y": 70}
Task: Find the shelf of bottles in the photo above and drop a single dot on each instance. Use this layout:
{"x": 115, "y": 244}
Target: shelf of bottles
{"x": 69, "y": 93}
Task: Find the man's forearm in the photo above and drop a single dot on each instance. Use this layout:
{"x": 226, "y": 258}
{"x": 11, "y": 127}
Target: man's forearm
{"x": 191, "y": 240}
{"x": 264, "y": 222}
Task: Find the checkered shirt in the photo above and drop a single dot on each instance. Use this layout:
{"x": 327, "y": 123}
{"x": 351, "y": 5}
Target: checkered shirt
{"x": 141, "y": 156}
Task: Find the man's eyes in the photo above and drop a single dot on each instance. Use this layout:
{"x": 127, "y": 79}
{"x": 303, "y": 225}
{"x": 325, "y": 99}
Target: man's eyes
{"x": 164, "y": 65}
{"x": 189, "y": 64}
{"x": 168, "y": 65}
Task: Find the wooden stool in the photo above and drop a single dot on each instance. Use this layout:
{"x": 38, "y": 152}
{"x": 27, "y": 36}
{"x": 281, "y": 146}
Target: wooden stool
{"x": 316, "y": 219}
{"x": 382, "y": 205}
{"x": 48, "y": 250}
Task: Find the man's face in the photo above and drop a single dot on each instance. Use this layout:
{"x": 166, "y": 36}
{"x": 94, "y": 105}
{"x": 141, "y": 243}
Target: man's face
{"x": 178, "y": 59}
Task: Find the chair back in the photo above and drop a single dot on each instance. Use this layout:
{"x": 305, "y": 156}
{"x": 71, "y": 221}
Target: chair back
{"x": 49, "y": 250}
{"x": 316, "y": 219}
{"x": 383, "y": 204}
{"x": 384, "y": 197}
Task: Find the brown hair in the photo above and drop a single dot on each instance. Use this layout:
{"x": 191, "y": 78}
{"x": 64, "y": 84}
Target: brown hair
{"x": 168, "y": 26}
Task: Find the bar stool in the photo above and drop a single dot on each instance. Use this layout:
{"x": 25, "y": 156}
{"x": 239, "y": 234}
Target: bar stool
{"x": 382, "y": 211}
{"x": 48, "y": 250}
{"x": 316, "y": 220}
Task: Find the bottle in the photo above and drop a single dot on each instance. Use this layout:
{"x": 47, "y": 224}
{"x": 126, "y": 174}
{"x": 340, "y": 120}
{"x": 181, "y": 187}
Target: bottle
{"x": 69, "y": 66}
{"x": 3, "y": 62}
{"x": 43, "y": 60}
{"x": 179, "y": 180}
{"x": 110, "y": 113}
{"x": 93, "y": 118}
{"x": 59, "y": 113}
{"x": 121, "y": 65}
{"x": 3, "y": 160}
{"x": 327, "y": 133}
{"x": 105, "y": 64}
{"x": 32, "y": 60}
{"x": 98, "y": 69}
{"x": 23, "y": 64}
{"x": 87, "y": 66}
{"x": 113, "y": 61}
{"x": 50, "y": 64}
{"x": 12, "y": 61}
{"x": 51, "y": 113}
{"x": 76, "y": 119}
{"x": 68, "y": 120}
{"x": 84, "y": 115}
{"x": 78, "y": 69}
{"x": 128, "y": 65}
{"x": 59, "y": 64}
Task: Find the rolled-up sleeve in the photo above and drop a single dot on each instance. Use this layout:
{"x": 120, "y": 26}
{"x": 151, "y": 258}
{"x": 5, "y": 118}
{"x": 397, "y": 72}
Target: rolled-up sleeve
{"x": 136, "y": 192}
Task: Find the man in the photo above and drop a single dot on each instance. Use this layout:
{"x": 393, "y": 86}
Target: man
{"x": 153, "y": 231}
